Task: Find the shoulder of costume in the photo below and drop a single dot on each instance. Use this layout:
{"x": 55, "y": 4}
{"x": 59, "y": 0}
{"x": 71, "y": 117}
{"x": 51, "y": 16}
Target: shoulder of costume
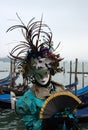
{"x": 57, "y": 84}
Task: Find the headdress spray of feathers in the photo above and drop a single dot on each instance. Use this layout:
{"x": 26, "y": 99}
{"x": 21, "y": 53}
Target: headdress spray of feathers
{"x": 38, "y": 43}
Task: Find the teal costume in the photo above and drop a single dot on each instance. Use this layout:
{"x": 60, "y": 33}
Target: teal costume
{"x": 28, "y": 107}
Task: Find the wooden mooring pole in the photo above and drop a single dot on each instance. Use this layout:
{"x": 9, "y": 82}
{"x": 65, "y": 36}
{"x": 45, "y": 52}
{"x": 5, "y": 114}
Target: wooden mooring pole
{"x": 70, "y": 71}
{"x": 11, "y": 73}
{"x": 76, "y": 63}
{"x": 64, "y": 67}
{"x": 82, "y": 74}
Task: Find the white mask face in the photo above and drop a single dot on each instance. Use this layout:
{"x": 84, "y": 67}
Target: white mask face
{"x": 43, "y": 80}
{"x": 43, "y": 75}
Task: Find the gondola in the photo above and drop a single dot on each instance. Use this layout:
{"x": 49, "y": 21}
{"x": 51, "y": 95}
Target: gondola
{"x": 5, "y": 101}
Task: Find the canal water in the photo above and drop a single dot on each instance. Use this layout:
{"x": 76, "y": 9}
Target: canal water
{"x": 10, "y": 121}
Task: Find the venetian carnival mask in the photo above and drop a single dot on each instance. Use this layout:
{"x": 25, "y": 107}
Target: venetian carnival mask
{"x": 42, "y": 75}
{"x": 36, "y": 54}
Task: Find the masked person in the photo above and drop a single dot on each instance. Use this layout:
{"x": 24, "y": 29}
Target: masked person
{"x": 39, "y": 62}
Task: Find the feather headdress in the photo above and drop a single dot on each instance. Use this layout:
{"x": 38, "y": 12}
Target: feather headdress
{"x": 37, "y": 43}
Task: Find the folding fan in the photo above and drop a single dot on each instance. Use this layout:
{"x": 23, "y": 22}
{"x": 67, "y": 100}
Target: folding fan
{"x": 58, "y": 103}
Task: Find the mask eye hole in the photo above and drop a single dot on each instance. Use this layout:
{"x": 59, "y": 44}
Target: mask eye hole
{"x": 50, "y": 63}
{"x": 40, "y": 61}
{"x": 39, "y": 67}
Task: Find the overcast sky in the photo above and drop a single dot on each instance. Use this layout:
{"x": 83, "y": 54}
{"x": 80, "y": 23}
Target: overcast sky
{"x": 68, "y": 20}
